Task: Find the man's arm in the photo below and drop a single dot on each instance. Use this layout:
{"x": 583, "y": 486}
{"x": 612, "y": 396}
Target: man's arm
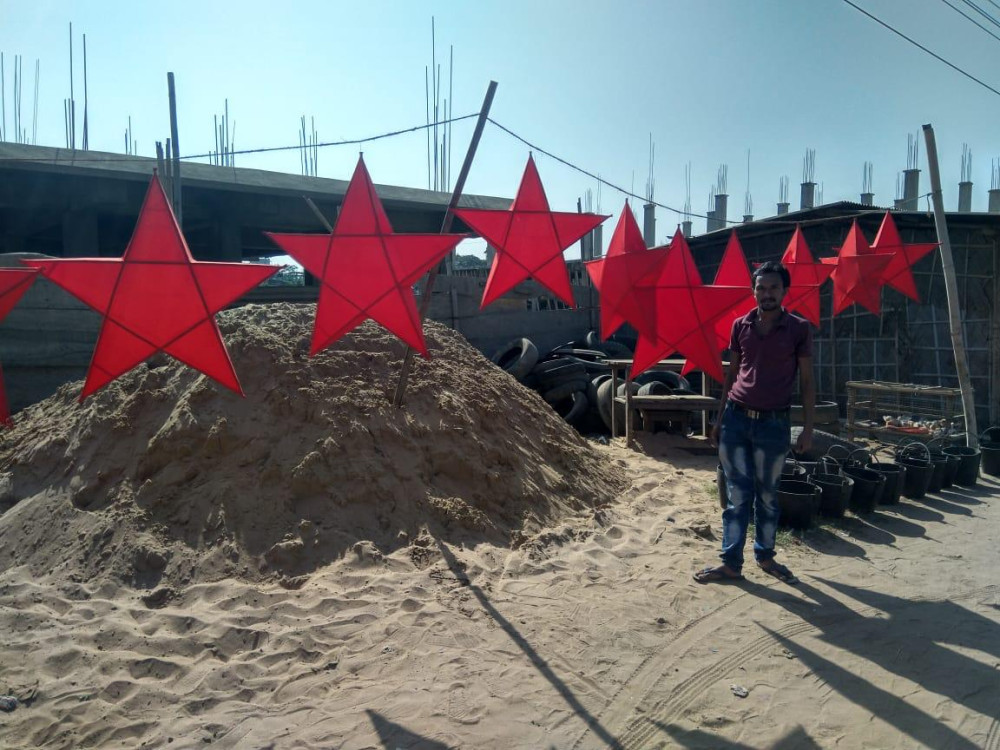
{"x": 727, "y": 384}
{"x": 807, "y": 385}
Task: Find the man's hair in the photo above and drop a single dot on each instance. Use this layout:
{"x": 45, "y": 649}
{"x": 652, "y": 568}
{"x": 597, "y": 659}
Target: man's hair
{"x": 773, "y": 266}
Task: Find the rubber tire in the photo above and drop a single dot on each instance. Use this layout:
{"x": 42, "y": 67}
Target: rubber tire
{"x": 604, "y": 402}
{"x": 582, "y": 378}
{"x": 594, "y": 384}
{"x": 822, "y": 442}
{"x": 672, "y": 379}
{"x": 563, "y": 369}
{"x": 654, "y": 388}
{"x": 576, "y": 411}
{"x": 518, "y": 357}
{"x": 560, "y": 392}
{"x": 589, "y": 355}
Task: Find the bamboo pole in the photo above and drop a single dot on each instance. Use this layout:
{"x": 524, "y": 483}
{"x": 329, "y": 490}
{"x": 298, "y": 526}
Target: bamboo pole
{"x": 449, "y": 214}
{"x": 951, "y": 290}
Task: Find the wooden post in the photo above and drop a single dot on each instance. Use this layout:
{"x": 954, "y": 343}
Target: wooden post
{"x": 951, "y": 290}
{"x": 449, "y": 215}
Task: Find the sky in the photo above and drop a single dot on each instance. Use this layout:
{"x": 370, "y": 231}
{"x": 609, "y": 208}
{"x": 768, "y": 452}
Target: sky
{"x": 592, "y": 82}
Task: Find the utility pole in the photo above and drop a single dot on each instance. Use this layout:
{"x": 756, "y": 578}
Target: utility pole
{"x": 951, "y": 291}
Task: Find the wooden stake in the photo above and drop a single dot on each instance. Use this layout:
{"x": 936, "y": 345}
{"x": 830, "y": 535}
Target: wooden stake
{"x": 449, "y": 214}
{"x": 951, "y": 291}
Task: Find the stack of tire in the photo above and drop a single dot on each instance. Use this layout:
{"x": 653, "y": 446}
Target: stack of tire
{"x": 575, "y": 379}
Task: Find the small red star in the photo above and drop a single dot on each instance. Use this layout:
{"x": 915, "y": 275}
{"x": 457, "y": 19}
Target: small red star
{"x": 616, "y": 275}
{"x": 733, "y": 271}
{"x": 857, "y": 273}
{"x": 807, "y": 277}
{"x": 685, "y": 312}
{"x": 14, "y": 282}
{"x": 903, "y": 255}
{"x": 156, "y": 297}
{"x": 529, "y": 240}
{"x": 365, "y": 269}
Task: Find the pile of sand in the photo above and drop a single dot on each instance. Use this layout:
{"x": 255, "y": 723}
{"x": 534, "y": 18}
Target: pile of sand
{"x": 165, "y": 477}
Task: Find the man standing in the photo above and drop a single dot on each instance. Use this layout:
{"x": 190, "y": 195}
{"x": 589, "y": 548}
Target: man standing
{"x": 768, "y": 346}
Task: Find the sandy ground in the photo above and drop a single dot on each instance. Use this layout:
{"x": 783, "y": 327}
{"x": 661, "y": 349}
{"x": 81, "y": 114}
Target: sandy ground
{"x": 576, "y": 625}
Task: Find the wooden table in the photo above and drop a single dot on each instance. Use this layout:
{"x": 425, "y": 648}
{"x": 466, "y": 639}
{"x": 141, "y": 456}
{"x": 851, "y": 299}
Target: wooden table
{"x": 649, "y": 405}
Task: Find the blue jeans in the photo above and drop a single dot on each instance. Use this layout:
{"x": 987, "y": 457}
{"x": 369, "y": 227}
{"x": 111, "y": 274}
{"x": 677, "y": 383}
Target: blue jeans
{"x": 752, "y": 453}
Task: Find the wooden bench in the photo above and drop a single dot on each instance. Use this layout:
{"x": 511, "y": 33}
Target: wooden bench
{"x": 675, "y": 408}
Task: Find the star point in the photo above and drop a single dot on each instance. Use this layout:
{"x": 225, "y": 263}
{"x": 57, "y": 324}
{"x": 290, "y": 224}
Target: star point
{"x": 857, "y": 273}
{"x": 807, "y": 276}
{"x": 898, "y": 273}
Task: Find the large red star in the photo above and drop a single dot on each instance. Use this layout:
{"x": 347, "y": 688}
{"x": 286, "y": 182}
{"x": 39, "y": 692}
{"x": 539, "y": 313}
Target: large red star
{"x": 529, "y": 240}
{"x": 807, "y": 277}
{"x": 14, "y": 282}
{"x": 857, "y": 273}
{"x": 898, "y": 274}
{"x": 616, "y": 275}
{"x": 156, "y": 297}
{"x": 685, "y": 312}
{"x": 365, "y": 270}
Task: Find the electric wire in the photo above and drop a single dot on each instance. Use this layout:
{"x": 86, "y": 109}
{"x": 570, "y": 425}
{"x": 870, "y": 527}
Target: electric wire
{"x": 918, "y": 44}
{"x": 970, "y": 19}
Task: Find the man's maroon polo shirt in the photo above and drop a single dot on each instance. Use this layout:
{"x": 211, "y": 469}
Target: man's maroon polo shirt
{"x": 768, "y": 364}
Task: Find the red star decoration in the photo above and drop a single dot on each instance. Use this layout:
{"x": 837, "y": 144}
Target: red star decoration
{"x": 733, "y": 271}
{"x": 616, "y": 275}
{"x": 807, "y": 277}
{"x": 903, "y": 255}
{"x": 685, "y": 312}
{"x": 365, "y": 269}
{"x": 155, "y": 298}
{"x": 857, "y": 273}
{"x": 529, "y": 240}
{"x": 14, "y": 282}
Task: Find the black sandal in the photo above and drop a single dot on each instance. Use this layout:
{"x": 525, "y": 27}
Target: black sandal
{"x": 781, "y": 572}
{"x": 719, "y": 574}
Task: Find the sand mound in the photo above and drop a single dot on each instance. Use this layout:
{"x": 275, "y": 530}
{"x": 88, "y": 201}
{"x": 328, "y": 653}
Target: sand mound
{"x": 164, "y": 477}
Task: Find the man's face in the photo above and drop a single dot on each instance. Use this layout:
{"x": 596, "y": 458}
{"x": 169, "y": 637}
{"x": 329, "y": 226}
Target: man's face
{"x": 769, "y": 291}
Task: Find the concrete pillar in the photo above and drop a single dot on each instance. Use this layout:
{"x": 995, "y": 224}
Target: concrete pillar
{"x": 965, "y": 197}
{"x": 686, "y": 228}
{"x": 230, "y": 240}
{"x": 808, "y": 195}
{"x": 80, "y": 238}
{"x": 710, "y": 222}
{"x": 868, "y": 199}
{"x": 899, "y": 204}
{"x": 994, "y": 204}
{"x": 649, "y": 224}
{"x": 782, "y": 209}
{"x": 911, "y": 189}
{"x": 747, "y": 218}
{"x": 721, "y": 211}
{"x": 597, "y": 251}
{"x": 587, "y": 246}
{"x": 490, "y": 255}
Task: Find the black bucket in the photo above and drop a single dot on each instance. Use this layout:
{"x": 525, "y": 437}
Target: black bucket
{"x": 868, "y": 488}
{"x": 835, "y": 492}
{"x": 967, "y": 472}
{"x": 895, "y": 476}
{"x": 919, "y": 469}
{"x": 793, "y": 469}
{"x": 939, "y": 462}
{"x": 989, "y": 447}
{"x": 799, "y": 502}
{"x": 951, "y": 469}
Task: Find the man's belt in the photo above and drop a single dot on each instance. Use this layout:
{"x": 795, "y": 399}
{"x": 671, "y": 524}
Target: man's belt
{"x": 760, "y": 413}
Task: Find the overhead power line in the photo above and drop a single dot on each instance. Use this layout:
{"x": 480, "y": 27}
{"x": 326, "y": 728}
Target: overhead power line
{"x": 970, "y": 19}
{"x": 918, "y": 44}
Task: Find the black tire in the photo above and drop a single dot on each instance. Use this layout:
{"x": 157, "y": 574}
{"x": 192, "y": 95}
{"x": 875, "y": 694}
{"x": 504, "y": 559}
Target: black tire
{"x": 654, "y": 388}
{"x": 582, "y": 379}
{"x": 561, "y": 370}
{"x": 633, "y": 386}
{"x": 604, "y": 402}
{"x": 518, "y": 358}
{"x": 572, "y": 408}
{"x": 554, "y": 395}
{"x": 825, "y": 412}
{"x": 592, "y": 387}
{"x": 612, "y": 349}
{"x": 672, "y": 379}
{"x": 822, "y": 442}
{"x": 590, "y": 355}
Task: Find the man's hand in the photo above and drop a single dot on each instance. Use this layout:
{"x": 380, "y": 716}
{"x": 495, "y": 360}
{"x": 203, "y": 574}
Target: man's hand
{"x": 713, "y": 436}
{"x": 805, "y": 440}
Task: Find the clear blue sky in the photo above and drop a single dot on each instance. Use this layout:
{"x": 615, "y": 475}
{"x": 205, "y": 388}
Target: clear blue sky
{"x": 587, "y": 80}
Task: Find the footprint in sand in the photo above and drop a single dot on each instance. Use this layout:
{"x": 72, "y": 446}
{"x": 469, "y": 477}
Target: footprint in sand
{"x": 460, "y": 709}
